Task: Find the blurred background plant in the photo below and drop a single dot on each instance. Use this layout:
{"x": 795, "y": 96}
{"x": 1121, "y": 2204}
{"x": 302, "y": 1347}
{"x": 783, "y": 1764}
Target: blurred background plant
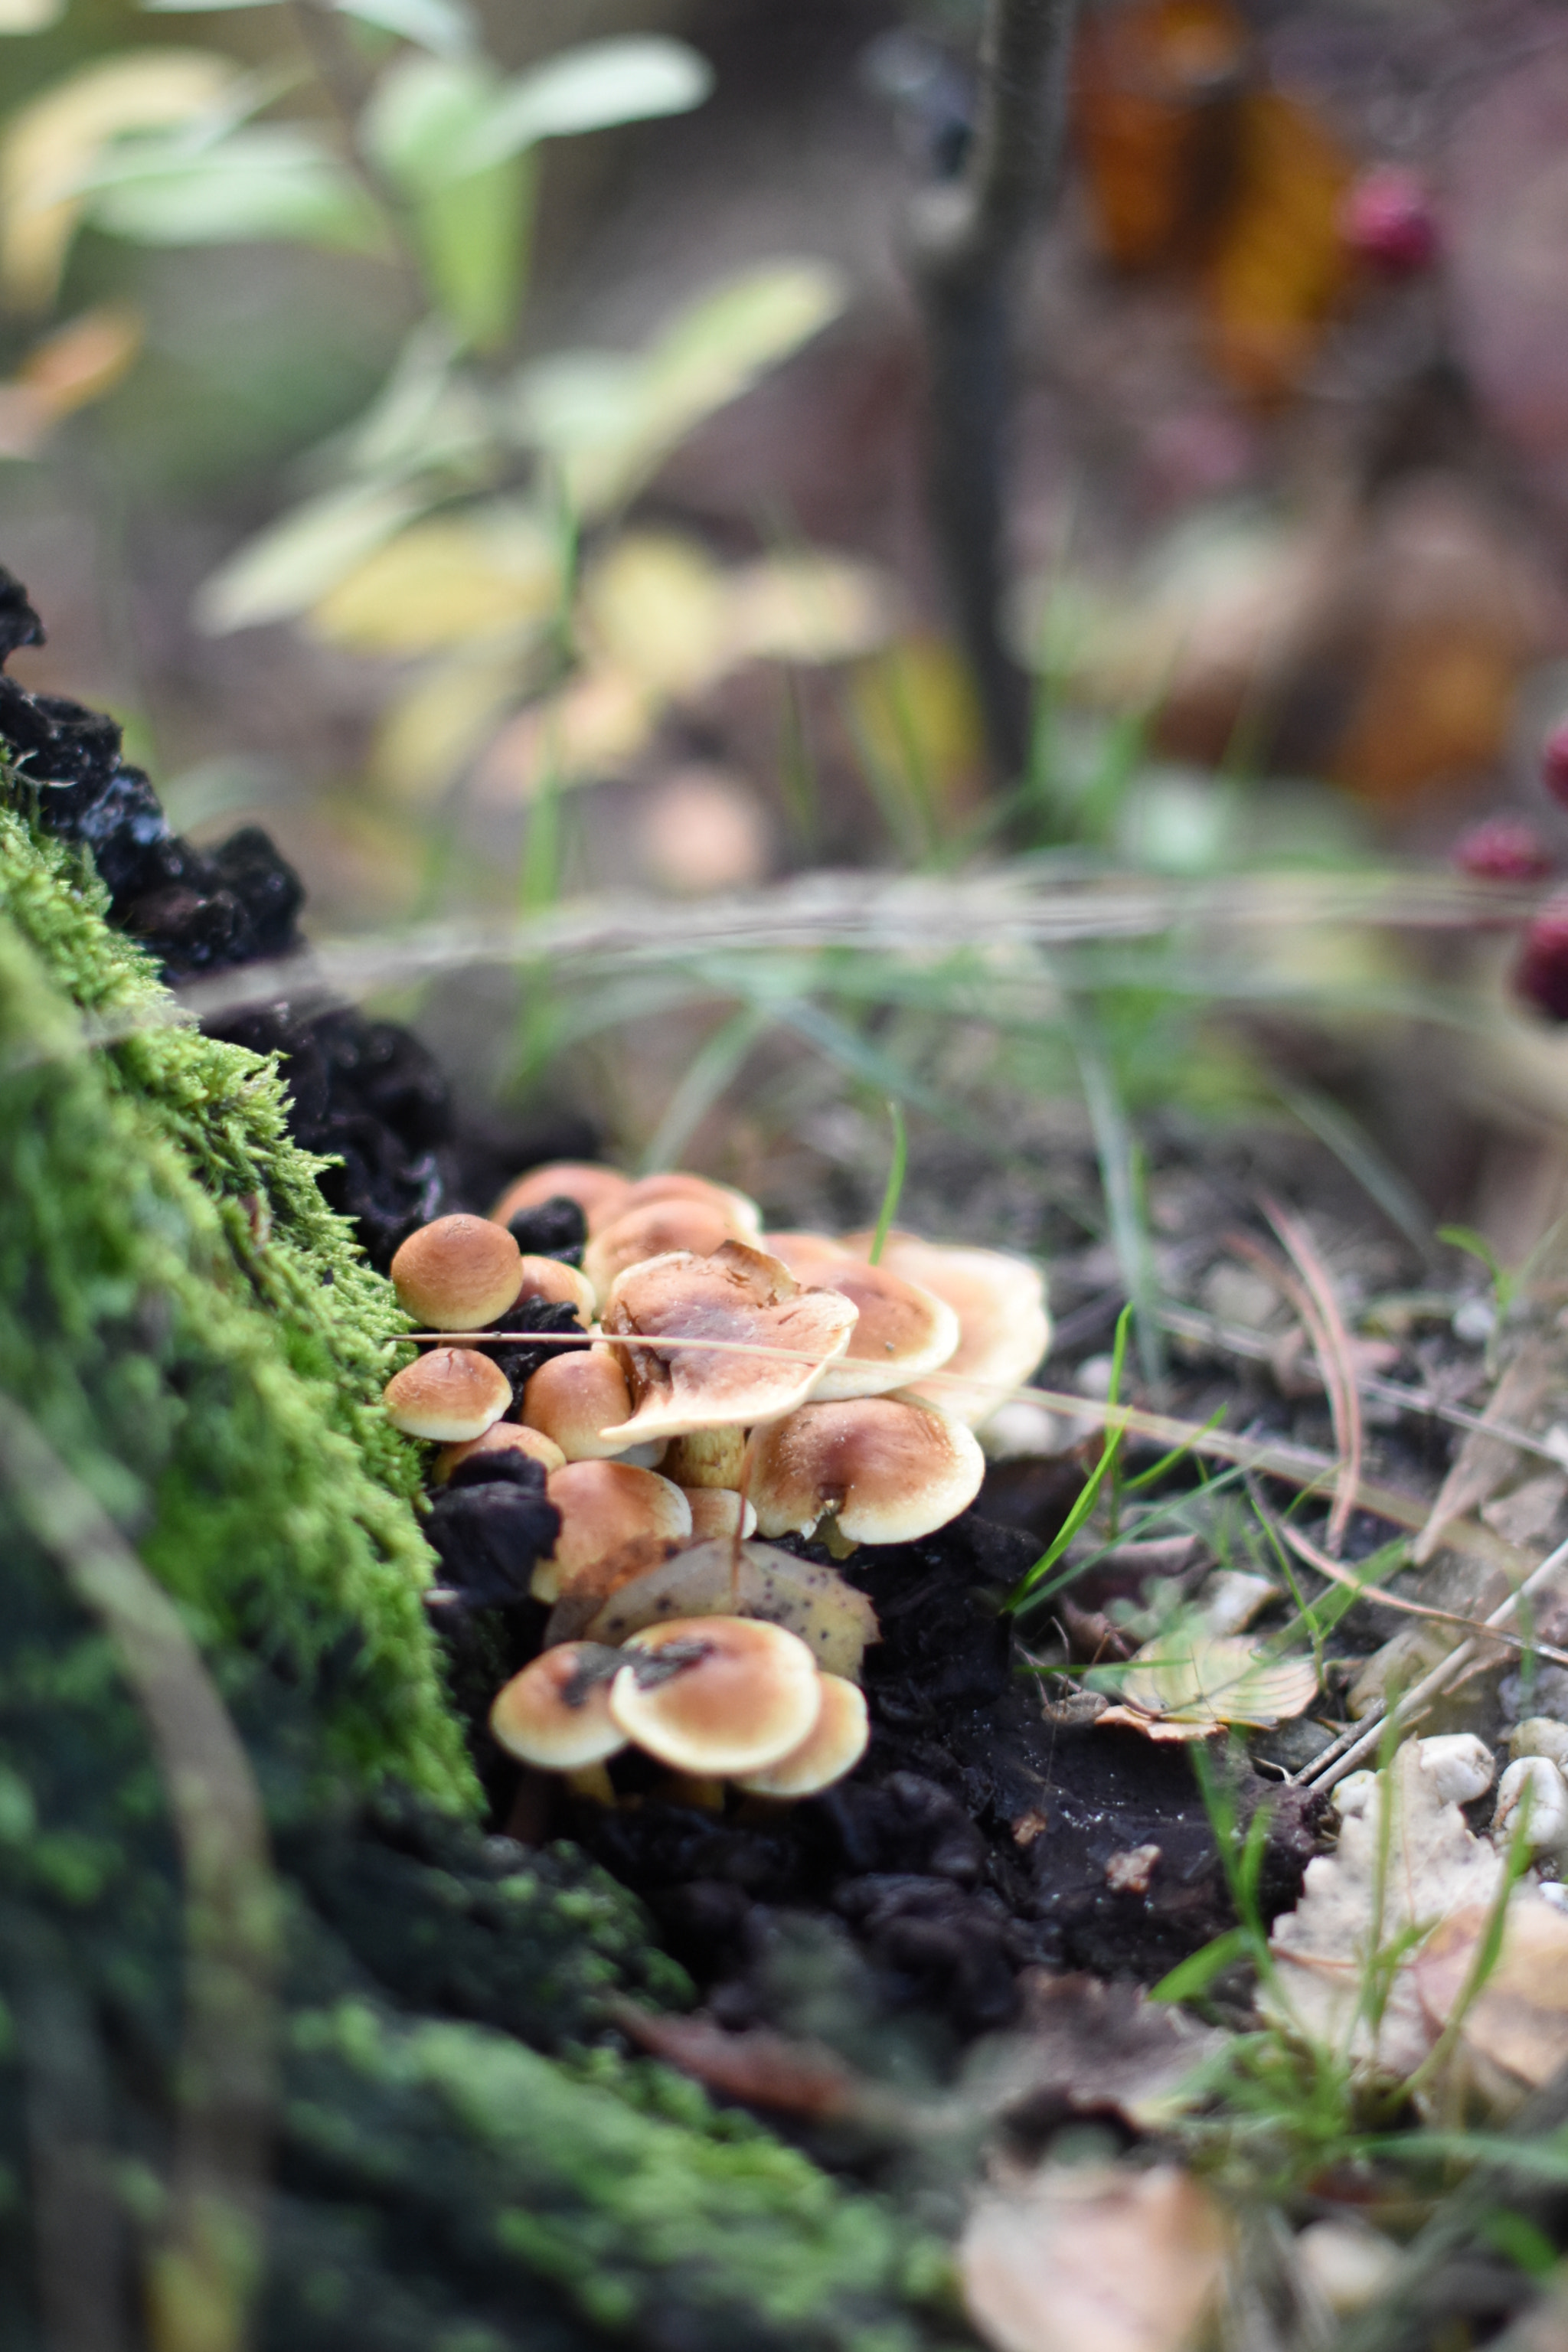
{"x": 489, "y": 453}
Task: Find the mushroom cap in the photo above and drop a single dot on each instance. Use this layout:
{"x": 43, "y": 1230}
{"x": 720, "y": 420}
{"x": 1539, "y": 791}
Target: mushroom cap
{"x": 457, "y": 1274}
{"x": 807, "y": 1256}
{"x": 834, "y": 1745}
{"x": 604, "y": 1505}
{"x": 450, "y": 1393}
{"x": 586, "y": 1181}
{"x": 558, "y": 1283}
{"x": 698, "y": 1228}
{"x": 902, "y": 1330}
{"x": 750, "y": 1694}
{"x": 738, "y": 1295}
{"x": 556, "y": 1713}
{"x": 719, "y": 1511}
{"x": 675, "y": 1184}
{"x": 501, "y": 1437}
{"x": 571, "y": 1397}
{"x": 887, "y": 1469}
{"x": 1004, "y": 1327}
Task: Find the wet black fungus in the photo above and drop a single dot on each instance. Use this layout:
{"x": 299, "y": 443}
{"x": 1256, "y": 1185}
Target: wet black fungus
{"x": 489, "y": 1526}
{"x": 520, "y": 1362}
{"x": 555, "y": 1228}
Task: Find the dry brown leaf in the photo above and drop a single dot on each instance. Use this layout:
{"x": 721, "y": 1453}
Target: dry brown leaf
{"x": 1091, "y": 2258}
{"x": 1485, "y": 1463}
{"x": 1095, "y": 2048}
{"x": 1434, "y": 1869}
{"x": 1514, "y": 2033}
{"x": 762, "y": 2068}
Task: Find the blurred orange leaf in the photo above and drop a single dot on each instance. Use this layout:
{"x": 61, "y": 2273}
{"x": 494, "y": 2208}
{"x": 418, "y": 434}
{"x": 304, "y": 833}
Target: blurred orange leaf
{"x": 1281, "y": 260}
{"x": 1156, "y": 86}
{"x": 76, "y": 365}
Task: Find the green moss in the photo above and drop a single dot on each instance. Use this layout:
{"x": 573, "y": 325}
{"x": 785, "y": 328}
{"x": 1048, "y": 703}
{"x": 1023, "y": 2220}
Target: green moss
{"x": 198, "y": 1337}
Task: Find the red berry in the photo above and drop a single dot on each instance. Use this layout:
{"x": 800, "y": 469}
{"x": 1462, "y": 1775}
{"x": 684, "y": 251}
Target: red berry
{"x": 1389, "y": 222}
{"x": 1540, "y": 975}
{"x": 1503, "y": 849}
{"x": 1555, "y": 762}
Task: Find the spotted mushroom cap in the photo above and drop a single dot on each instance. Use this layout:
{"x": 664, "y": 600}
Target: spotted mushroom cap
{"x": 604, "y": 1505}
{"x": 449, "y": 1394}
{"x": 501, "y": 1437}
{"x": 556, "y": 1713}
{"x": 593, "y": 1187}
{"x": 653, "y": 1230}
{"x": 739, "y": 1295}
{"x": 1004, "y": 1330}
{"x": 741, "y": 1693}
{"x": 457, "y": 1274}
{"x": 833, "y": 1746}
{"x": 884, "y": 1469}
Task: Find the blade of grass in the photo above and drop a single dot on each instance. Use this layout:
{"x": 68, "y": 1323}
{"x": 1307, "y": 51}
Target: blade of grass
{"x": 711, "y": 1069}
{"x": 893, "y": 1190}
{"x": 1087, "y": 1495}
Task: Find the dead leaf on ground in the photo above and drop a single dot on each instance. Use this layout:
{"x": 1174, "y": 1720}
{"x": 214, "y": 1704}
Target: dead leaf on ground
{"x": 1434, "y": 1869}
{"x": 1093, "y": 2255}
{"x": 1280, "y": 261}
{"x": 1095, "y": 2048}
{"x": 1186, "y": 1684}
{"x": 760, "y": 2068}
{"x": 1515, "y": 2033}
{"x": 1157, "y": 85}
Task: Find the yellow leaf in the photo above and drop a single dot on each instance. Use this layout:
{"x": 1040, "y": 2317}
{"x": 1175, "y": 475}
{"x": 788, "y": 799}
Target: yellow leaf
{"x": 656, "y": 608}
{"x": 1186, "y": 1684}
{"x": 1282, "y": 261}
{"x": 592, "y": 726}
{"x": 1157, "y": 84}
{"x": 918, "y": 725}
{"x": 807, "y": 608}
{"x": 51, "y": 144}
{"x": 446, "y": 581}
{"x": 433, "y": 731}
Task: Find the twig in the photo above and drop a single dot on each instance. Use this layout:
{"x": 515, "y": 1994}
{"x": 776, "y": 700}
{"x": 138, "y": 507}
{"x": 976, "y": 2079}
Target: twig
{"x": 1319, "y": 1561}
{"x": 969, "y": 241}
{"x": 1335, "y": 1762}
{"x": 1336, "y": 1357}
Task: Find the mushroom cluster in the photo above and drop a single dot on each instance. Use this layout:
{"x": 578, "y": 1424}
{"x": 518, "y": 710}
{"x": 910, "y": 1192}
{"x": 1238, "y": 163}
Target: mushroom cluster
{"x": 696, "y": 1378}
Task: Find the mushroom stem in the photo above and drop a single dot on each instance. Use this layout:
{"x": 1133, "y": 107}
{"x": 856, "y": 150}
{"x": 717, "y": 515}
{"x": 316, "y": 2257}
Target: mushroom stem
{"x": 828, "y": 1532}
{"x": 593, "y": 1782}
{"x": 696, "y": 1789}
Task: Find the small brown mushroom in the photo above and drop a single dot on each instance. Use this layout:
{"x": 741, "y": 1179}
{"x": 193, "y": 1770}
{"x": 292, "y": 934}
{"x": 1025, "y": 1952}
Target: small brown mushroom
{"x": 739, "y": 1295}
{"x": 557, "y": 1285}
{"x": 556, "y": 1713}
{"x": 735, "y": 1694}
{"x": 718, "y": 1511}
{"x": 881, "y": 1469}
{"x": 696, "y": 1227}
{"x": 809, "y": 1256}
{"x": 675, "y": 1184}
{"x": 457, "y": 1274}
{"x": 592, "y": 1186}
{"x": 450, "y": 1393}
{"x": 604, "y": 1505}
{"x": 902, "y": 1331}
{"x": 502, "y": 1436}
{"x": 571, "y": 1397}
{"x": 1004, "y": 1327}
{"x": 833, "y": 1746}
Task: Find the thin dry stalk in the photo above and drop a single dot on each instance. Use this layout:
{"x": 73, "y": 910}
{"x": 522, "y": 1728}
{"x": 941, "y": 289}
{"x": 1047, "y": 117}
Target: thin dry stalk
{"x": 1336, "y": 1357}
{"x": 1309, "y": 1551}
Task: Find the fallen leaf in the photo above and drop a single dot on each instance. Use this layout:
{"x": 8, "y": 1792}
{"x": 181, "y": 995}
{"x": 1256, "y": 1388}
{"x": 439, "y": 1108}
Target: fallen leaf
{"x": 1186, "y": 1684}
{"x": 1092, "y": 2256}
{"x": 1514, "y": 2033}
{"x": 1434, "y": 1867}
{"x": 1094, "y": 2048}
{"x": 761, "y": 2068}
{"x": 1157, "y": 86}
